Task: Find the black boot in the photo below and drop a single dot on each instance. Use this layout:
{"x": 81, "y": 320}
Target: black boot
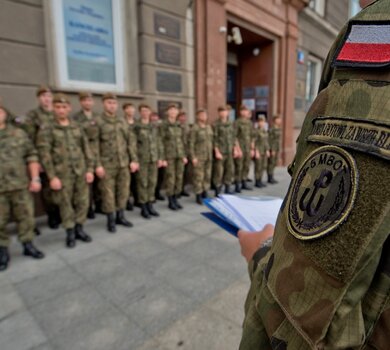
{"x": 4, "y": 258}
{"x": 111, "y": 223}
{"x": 70, "y": 238}
{"x": 144, "y": 211}
{"x": 52, "y": 220}
{"x": 91, "y": 213}
{"x": 151, "y": 210}
{"x": 129, "y": 205}
{"x": 184, "y": 193}
{"x": 271, "y": 180}
{"x": 171, "y": 203}
{"x": 81, "y": 234}
{"x": 259, "y": 184}
{"x": 178, "y": 205}
{"x": 228, "y": 190}
{"x": 121, "y": 220}
{"x": 98, "y": 207}
{"x": 159, "y": 196}
{"x": 199, "y": 199}
{"x": 205, "y": 194}
{"x": 37, "y": 232}
{"x": 245, "y": 186}
{"x": 218, "y": 190}
{"x": 31, "y": 250}
{"x": 238, "y": 187}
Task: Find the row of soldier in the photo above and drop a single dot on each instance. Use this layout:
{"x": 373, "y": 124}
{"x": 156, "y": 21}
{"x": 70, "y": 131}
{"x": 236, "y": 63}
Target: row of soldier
{"x": 89, "y": 163}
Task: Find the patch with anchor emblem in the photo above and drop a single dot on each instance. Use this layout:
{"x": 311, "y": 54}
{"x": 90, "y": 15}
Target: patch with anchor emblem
{"x": 323, "y": 193}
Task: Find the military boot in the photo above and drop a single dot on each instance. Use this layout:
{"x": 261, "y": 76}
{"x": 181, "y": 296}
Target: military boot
{"x": 91, "y": 212}
{"x": 151, "y": 210}
{"x": 238, "y": 187}
{"x": 52, "y": 220}
{"x": 205, "y": 194}
{"x": 31, "y": 250}
{"x": 81, "y": 234}
{"x": 4, "y": 258}
{"x": 98, "y": 207}
{"x": 70, "y": 238}
{"x": 218, "y": 190}
{"x": 144, "y": 211}
{"x": 37, "y": 231}
{"x": 121, "y": 220}
{"x": 199, "y": 199}
{"x": 111, "y": 223}
{"x": 228, "y": 190}
{"x": 184, "y": 193}
{"x": 171, "y": 203}
{"x": 259, "y": 184}
{"x": 245, "y": 186}
{"x": 129, "y": 205}
{"x": 178, "y": 205}
{"x": 159, "y": 196}
{"x": 271, "y": 180}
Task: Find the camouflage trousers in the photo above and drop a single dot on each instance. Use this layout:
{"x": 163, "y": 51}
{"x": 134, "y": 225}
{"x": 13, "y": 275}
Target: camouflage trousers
{"x": 242, "y": 166}
{"x": 19, "y": 205}
{"x": 146, "y": 182}
{"x": 114, "y": 189}
{"x": 223, "y": 170}
{"x": 174, "y": 173}
{"x": 72, "y": 199}
{"x": 260, "y": 166}
{"x": 201, "y": 176}
{"x": 272, "y": 163}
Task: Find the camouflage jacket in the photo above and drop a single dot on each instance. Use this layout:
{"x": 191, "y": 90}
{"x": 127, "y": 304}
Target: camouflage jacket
{"x": 16, "y": 151}
{"x": 260, "y": 137}
{"x": 91, "y": 130}
{"x": 116, "y": 148}
{"x": 200, "y": 143}
{"x": 274, "y": 138}
{"x": 325, "y": 281}
{"x": 33, "y": 121}
{"x": 243, "y": 133}
{"x": 148, "y": 142}
{"x": 64, "y": 149}
{"x": 224, "y": 137}
{"x": 172, "y": 140}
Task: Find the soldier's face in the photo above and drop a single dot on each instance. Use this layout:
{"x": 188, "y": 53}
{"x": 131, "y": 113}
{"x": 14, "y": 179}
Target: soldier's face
{"x": 278, "y": 122}
{"x": 130, "y": 111}
{"x": 145, "y": 113}
{"x": 110, "y": 106}
{"x": 154, "y": 118}
{"x": 261, "y": 124}
{"x": 87, "y": 103}
{"x": 202, "y": 117}
{"x": 46, "y": 100}
{"x": 172, "y": 113}
{"x": 182, "y": 118}
{"x": 61, "y": 110}
{"x": 223, "y": 115}
{"x": 3, "y": 116}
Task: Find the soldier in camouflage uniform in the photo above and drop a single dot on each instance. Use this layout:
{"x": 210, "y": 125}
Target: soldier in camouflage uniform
{"x": 200, "y": 145}
{"x": 157, "y": 123}
{"x": 150, "y": 159}
{"x": 224, "y": 141}
{"x": 17, "y": 154}
{"x": 172, "y": 135}
{"x": 87, "y": 119}
{"x": 68, "y": 162}
{"x": 243, "y": 134}
{"x": 182, "y": 119}
{"x": 324, "y": 283}
{"x": 262, "y": 152}
{"x": 275, "y": 134}
{"x": 117, "y": 156}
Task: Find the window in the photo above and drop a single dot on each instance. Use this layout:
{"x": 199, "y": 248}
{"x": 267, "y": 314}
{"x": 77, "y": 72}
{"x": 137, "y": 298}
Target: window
{"x": 318, "y": 6}
{"x": 313, "y": 76}
{"x": 354, "y": 7}
{"x": 88, "y": 44}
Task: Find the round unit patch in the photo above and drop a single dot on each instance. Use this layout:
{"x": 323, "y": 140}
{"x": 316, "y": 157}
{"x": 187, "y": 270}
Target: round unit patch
{"x": 323, "y": 193}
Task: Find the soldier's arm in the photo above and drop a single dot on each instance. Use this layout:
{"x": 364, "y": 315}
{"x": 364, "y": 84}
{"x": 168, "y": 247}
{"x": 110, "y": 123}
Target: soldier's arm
{"x": 88, "y": 154}
{"x": 191, "y": 143}
{"x": 98, "y": 162}
{"x": 132, "y": 146}
{"x": 44, "y": 142}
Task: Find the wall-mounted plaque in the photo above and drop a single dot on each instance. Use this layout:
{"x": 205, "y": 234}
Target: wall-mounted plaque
{"x": 166, "y": 26}
{"x": 162, "y": 106}
{"x": 168, "y": 82}
{"x": 168, "y": 54}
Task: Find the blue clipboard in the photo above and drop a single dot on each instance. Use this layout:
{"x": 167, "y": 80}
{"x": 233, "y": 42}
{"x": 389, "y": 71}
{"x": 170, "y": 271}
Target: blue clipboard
{"x": 221, "y": 223}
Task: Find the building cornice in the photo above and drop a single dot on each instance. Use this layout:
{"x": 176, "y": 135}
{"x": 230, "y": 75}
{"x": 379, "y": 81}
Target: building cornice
{"x": 298, "y": 4}
{"x": 320, "y": 21}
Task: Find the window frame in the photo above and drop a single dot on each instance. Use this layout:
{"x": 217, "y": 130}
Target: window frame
{"x": 352, "y": 4}
{"x": 318, "y": 6}
{"x": 318, "y": 73}
{"x": 60, "y": 54}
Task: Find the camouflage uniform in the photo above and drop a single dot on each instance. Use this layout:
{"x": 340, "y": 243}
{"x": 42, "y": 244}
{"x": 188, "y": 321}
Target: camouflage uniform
{"x": 149, "y": 152}
{"x": 65, "y": 153}
{"x": 133, "y": 176}
{"x": 325, "y": 282}
{"x": 275, "y": 135}
{"x": 243, "y": 134}
{"x": 16, "y": 151}
{"x": 224, "y": 141}
{"x": 200, "y": 146}
{"x": 174, "y": 150}
{"x": 34, "y": 120}
{"x": 117, "y": 149}
{"x": 186, "y": 174}
{"x": 262, "y": 146}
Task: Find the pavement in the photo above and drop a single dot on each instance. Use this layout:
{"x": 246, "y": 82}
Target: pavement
{"x": 175, "y": 282}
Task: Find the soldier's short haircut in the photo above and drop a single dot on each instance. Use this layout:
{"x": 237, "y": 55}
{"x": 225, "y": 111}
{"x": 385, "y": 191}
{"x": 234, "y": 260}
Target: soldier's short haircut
{"x": 222, "y": 108}
{"x": 127, "y": 104}
{"x": 144, "y": 105}
{"x": 84, "y": 94}
{"x": 276, "y": 116}
{"x": 182, "y": 112}
{"x": 244, "y": 108}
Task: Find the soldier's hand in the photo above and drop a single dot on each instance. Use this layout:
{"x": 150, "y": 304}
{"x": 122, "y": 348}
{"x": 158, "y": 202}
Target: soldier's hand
{"x": 55, "y": 184}
{"x": 218, "y": 155}
{"x": 195, "y": 162}
{"x": 100, "y": 172}
{"x": 160, "y": 163}
{"x": 134, "y": 166}
{"x": 269, "y": 154}
{"x": 253, "y": 153}
{"x": 185, "y": 160}
{"x": 257, "y": 154}
{"x": 35, "y": 186}
{"x": 89, "y": 177}
{"x": 251, "y": 241}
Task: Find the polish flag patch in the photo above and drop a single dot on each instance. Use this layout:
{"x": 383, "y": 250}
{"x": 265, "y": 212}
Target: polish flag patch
{"x": 365, "y": 45}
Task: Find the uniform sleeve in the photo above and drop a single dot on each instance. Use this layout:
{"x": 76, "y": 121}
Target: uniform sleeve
{"x": 132, "y": 146}
{"x": 98, "y": 162}
{"x": 31, "y": 153}
{"x": 30, "y": 126}
{"x": 89, "y": 156}
{"x": 44, "y": 142}
{"x": 191, "y": 143}
{"x": 216, "y": 143}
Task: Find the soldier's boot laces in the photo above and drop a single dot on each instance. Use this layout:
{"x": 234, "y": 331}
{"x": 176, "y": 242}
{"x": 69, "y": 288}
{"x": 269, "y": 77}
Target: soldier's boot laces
{"x": 81, "y": 234}
{"x": 238, "y": 187}
{"x": 171, "y": 203}
{"x": 121, "y": 220}
{"x": 111, "y": 223}
{"x": 70, "y": 238}
{"x": 4, "y": 258}
{"x": 178, "y": 205}
{"x": 31, "y": 250}
{"x": 144, "y": 211}
{"x": 271, "y": 180}
{"x": 245, "y": 186}
{"x": 91, "y": 213}
{"x": 151, "y": 209}
{"x": 129, "y": 205}
{"x": 199, "y": 199}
